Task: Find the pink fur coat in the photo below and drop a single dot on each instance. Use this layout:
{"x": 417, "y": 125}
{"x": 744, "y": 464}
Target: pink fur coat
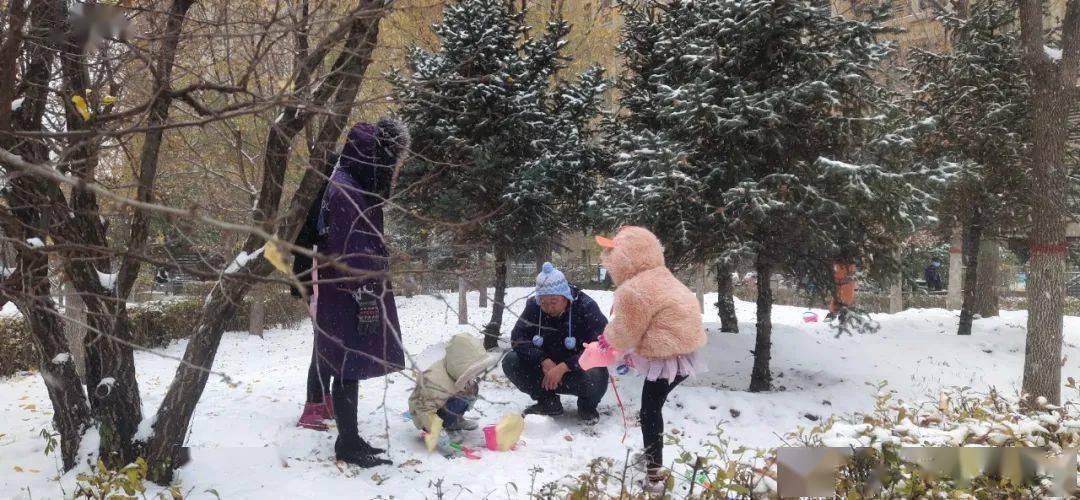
{"x": 654, "y": 313}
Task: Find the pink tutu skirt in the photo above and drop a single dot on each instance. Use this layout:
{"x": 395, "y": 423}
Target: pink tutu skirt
{"x": 683, "y": 365}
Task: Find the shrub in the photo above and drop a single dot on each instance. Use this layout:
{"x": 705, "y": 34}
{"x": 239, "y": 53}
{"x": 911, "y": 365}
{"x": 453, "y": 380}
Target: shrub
{"x": 959, "y": 418}
{"x": 156, "y": 323}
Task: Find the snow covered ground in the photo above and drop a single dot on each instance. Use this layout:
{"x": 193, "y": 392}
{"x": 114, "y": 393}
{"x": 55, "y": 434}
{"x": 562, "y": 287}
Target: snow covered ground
{"x": 245, "y": 444}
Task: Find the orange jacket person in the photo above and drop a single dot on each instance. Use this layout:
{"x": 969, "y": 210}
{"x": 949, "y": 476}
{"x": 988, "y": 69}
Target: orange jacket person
{"x": 844, "y": 278}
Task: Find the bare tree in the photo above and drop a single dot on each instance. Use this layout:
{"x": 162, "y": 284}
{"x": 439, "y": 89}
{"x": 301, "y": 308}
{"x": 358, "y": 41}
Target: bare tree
{"x": 63, "y": 134}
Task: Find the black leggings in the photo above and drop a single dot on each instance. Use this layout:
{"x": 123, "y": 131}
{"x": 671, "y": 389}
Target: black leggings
{"x": 653, "y": 396}
{"x": 318, "y": 380}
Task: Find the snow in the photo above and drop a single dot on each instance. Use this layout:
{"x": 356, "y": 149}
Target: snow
{"x": 17, "y": 103}
{"x": 242, "y": 260}
{"x": 6, "y": 272}
{"x": 1052, "y": 53}
{"x": 146, "y": 427}
{"x": 107, "y": 280}
{"x": 244, "y": 442}
{"x": 35, "y": 242}
{"x": 61, "y": 358}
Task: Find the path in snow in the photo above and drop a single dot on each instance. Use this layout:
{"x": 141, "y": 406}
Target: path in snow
{"x": 245, "y": 444}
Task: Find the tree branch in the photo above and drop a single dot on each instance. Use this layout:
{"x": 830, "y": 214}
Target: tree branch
{"x": 151, "y": 151}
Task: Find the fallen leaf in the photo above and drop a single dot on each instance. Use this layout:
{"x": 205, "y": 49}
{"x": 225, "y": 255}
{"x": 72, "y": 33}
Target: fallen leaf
{"x": 18, "y": 469}
{"x": 568, "y": 437}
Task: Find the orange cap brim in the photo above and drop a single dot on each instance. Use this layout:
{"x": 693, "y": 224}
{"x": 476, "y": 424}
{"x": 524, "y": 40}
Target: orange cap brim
{"x": 605, "y": 242}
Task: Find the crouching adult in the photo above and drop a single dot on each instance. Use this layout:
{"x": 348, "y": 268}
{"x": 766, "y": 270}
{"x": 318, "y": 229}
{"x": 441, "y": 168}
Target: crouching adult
{"x": 548, "y": 339}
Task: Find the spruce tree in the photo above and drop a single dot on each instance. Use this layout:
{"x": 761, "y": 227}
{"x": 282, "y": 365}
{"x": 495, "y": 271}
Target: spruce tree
{"x": 977, "y": 96}
{"x": 502, "y": 145}
{"x": 757, "y": 129}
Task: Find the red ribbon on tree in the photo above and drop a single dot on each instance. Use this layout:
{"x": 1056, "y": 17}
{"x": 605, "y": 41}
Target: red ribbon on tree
{"x": 1049, "y": 249}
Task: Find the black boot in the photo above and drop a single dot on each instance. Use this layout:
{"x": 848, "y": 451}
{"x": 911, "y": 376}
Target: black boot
{"x": 350, "y": 451}
{"x": 350, "y": 447}
{"x": 588, "y": 416}
{"x": 550, "y": 407}
{"x": 369, "y": 449}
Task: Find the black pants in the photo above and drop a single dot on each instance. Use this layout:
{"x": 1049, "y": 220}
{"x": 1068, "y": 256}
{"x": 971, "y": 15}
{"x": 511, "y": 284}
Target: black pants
{"x": 345, "y": 394}
{"x": 653, "y": 396}
{"x": 589, "y": 386}
{"x": 318, "y": 380}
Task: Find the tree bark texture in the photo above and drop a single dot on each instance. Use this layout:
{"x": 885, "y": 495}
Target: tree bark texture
{"x": 761, "y": 376}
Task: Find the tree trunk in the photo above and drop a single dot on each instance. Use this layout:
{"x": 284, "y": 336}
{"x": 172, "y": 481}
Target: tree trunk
{"x": 34, "y": 219}
{"x": 988, "y": 286}
{"x": 896, "y": 289}
{"x": 543, "y": 254}
{"x": 163, "y": 450}
{"x": 463, "y": 300}
{"x": 954, "y": 295}
{"x": 1047, "y": 244}
{"x": 972, "y": 238}
{"x": 481, "y": 283}
{"x": 71, "y": 413}
{"x": 761, "y": 377}
{"x": 699, "y": 278}
{"x": 75, "y": 328}
{"x": 493, "y": 330}
{"x": 725, "y": 299}
{"x": 110, "y": 376}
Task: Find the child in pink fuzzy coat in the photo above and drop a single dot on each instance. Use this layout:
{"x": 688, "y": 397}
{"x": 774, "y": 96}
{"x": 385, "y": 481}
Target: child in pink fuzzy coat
{"x": 657, "y": 320}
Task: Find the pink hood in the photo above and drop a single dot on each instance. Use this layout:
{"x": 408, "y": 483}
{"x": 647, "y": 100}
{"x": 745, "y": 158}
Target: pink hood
{"x": 636, "y": 250}
{"x": 654, "y": 314}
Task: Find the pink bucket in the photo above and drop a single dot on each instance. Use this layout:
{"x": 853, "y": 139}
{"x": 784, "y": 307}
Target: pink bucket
{"x": 490, "y": 439}
{"x": 809, "y": 317}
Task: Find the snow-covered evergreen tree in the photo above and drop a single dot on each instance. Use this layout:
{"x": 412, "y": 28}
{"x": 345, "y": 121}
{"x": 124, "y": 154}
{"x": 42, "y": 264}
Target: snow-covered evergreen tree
{"x": 756, "y": 128}
{"x": 977, "y": 94}
{"x": 503, "y": 147}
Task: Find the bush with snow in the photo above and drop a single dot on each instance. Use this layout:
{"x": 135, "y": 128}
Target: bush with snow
{"x": 959, "y": 417}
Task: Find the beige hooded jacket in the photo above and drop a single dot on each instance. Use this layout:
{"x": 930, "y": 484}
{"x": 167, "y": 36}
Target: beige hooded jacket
{"x": 465, "y": 361}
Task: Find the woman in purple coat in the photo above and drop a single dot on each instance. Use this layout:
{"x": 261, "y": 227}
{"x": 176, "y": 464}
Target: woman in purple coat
{"x": 357, "y": 332}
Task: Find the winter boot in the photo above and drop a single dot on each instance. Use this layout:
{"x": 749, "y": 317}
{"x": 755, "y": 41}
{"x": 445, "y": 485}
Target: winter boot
{"x": 369, "y": 449}
{"x": 551, "y": 407}
{"x": 312, "y": 417}
{"x": 352, "y": 452}
{"x": 588, "y": 416}
{"x": 462, "y": 424}
{"x": 655, "y": 483}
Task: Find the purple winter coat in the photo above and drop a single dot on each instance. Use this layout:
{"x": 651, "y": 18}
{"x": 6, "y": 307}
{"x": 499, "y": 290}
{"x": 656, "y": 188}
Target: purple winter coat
{"x": 357, "y": 332}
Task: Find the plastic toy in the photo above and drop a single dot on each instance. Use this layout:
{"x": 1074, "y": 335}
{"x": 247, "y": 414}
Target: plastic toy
{"x": 505, "y": 434}
{"x": 809, "y": 317}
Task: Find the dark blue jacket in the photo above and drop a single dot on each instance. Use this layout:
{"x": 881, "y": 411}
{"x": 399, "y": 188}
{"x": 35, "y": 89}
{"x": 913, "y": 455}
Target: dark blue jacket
{"x": 582, "y": 316}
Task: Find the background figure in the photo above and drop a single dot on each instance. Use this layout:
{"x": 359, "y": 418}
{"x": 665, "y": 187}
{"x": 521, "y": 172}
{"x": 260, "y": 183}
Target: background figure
{"x": 932, "y": 276}
{"x": 357, "y": 331}
{"x": 844, "y": 278}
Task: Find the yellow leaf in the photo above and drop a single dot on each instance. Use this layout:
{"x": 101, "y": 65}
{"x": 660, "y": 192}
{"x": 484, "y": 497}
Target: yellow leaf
{"x": 108, "y": 99}
{"x": 18, "y": 469}
{"x": 80, "y": 106}
{"x": 272, "y": 254}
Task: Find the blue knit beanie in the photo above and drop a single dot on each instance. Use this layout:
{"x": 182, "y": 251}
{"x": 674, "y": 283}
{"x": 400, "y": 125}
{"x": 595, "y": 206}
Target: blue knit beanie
{"x": 552, "y": 281}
